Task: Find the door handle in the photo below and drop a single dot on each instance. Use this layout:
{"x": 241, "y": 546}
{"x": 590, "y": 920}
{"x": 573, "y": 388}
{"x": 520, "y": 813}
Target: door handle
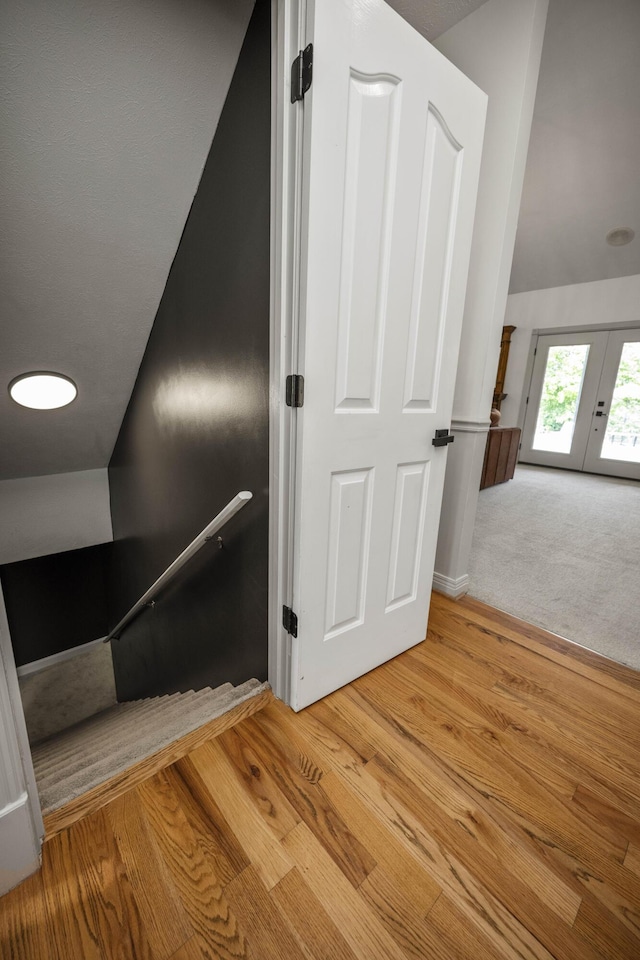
{"x": 442, "y": 438}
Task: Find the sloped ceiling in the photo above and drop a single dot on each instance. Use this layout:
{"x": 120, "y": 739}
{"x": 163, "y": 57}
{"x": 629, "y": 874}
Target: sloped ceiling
{"x": 107, "y": 115}
{"x": 582, "y": 176}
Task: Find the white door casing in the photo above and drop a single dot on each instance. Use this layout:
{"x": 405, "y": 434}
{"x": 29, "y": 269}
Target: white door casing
{"x": 391, "y": 156}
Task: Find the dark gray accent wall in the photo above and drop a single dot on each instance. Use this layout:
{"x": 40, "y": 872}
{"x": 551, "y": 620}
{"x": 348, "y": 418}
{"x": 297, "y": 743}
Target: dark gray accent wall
{"x": 56, "y": 602}
{"x": 196, "y": 429}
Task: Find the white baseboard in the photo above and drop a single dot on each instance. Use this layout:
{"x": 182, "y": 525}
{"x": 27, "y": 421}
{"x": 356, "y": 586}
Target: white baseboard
{"x": 37, "y": 665}
{"x": 449, "y": 586}
{"x": 19, "y": 844}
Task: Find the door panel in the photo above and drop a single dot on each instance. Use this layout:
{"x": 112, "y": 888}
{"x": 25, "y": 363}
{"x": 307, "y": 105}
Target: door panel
{"x": 392, "y": 143}
{"x": 348, "y": 556}
{"x": 407, "y": 534}
{"x": 434, "y": 251}
{"x": 371, "y": 163}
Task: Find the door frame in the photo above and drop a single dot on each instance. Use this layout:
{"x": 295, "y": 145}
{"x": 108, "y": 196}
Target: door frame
{"x": 288, "y": 24}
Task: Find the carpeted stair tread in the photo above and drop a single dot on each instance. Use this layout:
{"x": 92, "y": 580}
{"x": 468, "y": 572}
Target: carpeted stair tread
{"x": 124, "y": 735}
{"x": 98, "y": 726}
{"x": 132, "y": 728}
{"x": 134, "y": 739}
{"x": 99, "y": 719}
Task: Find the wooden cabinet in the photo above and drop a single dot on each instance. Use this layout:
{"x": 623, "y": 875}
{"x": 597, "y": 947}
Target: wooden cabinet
{"x": 500, "y": 455}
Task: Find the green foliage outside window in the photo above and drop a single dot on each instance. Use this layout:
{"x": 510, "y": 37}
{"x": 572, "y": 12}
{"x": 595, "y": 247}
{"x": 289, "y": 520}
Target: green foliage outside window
{"x": 563, "y": 382}
{"x": 624, "y": 415}
{"x": 561, "y": 388}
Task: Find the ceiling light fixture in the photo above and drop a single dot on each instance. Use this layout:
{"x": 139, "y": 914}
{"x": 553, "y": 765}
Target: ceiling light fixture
{"x": 620, "y": 236}
{"x": 42, "y": 390}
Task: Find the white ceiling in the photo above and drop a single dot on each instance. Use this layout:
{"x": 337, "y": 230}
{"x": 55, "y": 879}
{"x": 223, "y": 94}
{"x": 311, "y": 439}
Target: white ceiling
{"x": 108, "y": 112}
{"x": 582, "y": 177}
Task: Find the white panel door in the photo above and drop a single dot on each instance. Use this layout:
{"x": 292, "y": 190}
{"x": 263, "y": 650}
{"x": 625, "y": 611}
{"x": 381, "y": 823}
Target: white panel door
{"x": 392, "y": 143}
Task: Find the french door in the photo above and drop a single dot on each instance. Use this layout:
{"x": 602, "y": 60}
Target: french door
{"x": 583, "y": 411}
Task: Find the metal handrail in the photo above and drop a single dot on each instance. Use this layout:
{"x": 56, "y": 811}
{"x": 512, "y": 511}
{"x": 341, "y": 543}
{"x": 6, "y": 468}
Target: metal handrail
{"x": 207, "y": 534}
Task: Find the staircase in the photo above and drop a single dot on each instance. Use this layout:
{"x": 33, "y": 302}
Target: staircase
{"x": 93, "y": 751}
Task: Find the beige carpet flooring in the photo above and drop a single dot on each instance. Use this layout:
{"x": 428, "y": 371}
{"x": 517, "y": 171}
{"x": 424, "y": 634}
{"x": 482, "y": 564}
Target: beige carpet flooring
{"x": 562, "y": 550}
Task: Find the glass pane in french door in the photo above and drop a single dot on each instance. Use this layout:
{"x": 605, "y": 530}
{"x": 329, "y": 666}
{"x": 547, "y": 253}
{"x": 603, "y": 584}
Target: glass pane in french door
{"x": 560, "y": 399}
{"x": 622, "y": 439}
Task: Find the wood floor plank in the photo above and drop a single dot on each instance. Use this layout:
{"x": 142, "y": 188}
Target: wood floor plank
{"x": 568, "y": 748}
{"x": 255, "y": 836}
{"x": 310, "y": 802}
{"x": 414, "y": 883}
{"x": 632, "y": 859}
{"x": 612, "y": 938}
{"x": 20, "y": 940}
{"x": 498, "y": 924}
{"x": 488, "y": 768}
{"x": 316, "y": 933}
{"x": 572, "y": 691}
{"x": 214, "y": 834}
{"x": 503, "y": 885}
{"x": 93, "y": 910}
{"x": 397, "y": 913}
{"x": 200, "y": 889}
{"x": 441, "y": 788}
{"x": 162, "y": 912}
{"x": 621, "y": 679}
{"x": 459, "y": 937}
{"x": 329, "y": 712}
{"x": 268, "y": 935}
{"x": 274, "y": 805}
{"x": 478, "y": 798}
{"x": 360, "y": 926}
{"x": 626, "y": 826}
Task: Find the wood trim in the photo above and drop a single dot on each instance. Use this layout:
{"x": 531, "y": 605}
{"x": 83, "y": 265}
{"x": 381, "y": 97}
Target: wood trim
{"x": 104, "y": 793}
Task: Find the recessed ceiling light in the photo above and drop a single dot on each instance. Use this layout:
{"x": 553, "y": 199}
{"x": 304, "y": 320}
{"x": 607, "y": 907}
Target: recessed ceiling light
{"x": 620, "y": 236}
{"x": 43, "y": 390}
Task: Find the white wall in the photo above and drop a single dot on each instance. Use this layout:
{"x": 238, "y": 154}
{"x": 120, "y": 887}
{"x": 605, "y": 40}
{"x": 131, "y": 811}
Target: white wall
{"x": 599, "y": 303}
{"x": 499, "y": 48}
{"x": 64, "y": 511}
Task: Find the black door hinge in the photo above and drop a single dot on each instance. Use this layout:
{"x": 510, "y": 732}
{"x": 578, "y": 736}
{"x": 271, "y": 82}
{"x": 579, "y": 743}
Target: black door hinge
{"x": 295, "y": 390}
{"x": 301, "y": 73}
{"x": 290, "y": 621}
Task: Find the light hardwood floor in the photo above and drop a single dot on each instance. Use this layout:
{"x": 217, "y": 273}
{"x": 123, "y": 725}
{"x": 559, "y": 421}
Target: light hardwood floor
{"x": 475, "y": 799}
